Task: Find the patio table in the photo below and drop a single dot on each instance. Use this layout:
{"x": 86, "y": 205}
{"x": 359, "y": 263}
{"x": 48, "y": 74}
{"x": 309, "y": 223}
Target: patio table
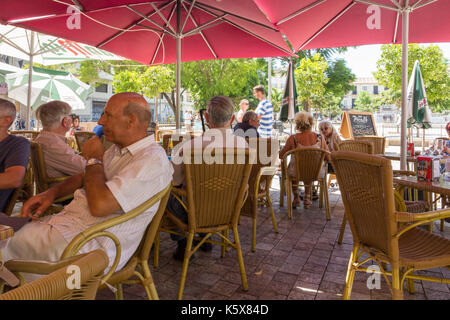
{"x": 427, "y": 186}
{"x": 396, "y": 157}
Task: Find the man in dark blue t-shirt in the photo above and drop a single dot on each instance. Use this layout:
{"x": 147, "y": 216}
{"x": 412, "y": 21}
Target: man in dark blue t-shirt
{"x": 14, "y": 152}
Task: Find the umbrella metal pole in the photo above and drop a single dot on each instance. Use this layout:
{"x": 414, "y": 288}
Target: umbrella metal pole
{"x": 178, "y": 85}
{"x": 405, "y": 41}
{"x": 30, "y": 76}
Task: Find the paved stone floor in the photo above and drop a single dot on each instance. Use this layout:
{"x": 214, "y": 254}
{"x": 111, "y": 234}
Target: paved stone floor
{"x": 303, "y": 261}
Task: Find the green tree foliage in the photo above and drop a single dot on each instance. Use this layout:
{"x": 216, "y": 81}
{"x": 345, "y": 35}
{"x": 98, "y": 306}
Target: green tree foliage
{"x": 340, "y": 79}
{"x": 149, "y": 83}
{"x": 364, "y": 102}
{"x": 234, "y": 78}
{"x": 276, "y": 99}
{"x": 311, "y": 79}
{"x": 433, "y": 66}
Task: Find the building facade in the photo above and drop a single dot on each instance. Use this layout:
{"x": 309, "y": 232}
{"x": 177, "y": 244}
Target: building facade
{"x": 369, "y": 85}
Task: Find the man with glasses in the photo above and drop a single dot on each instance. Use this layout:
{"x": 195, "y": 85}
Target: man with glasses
{"x": 60, "y": 159}
{"x": 14, "y": 152}
{"x": 248, "y": 127}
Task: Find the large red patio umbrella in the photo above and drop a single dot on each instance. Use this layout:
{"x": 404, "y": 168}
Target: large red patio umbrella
{"x": 312, "y": 24}
{"x": 155, "y": 32}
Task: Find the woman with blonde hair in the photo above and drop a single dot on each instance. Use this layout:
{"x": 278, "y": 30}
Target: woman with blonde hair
{"x": 305, "y": 137}
{"x": 330, "y": 134}
{"x": 331, "y": 138}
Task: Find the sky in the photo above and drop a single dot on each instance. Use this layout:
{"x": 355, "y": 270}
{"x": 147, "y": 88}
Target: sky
{"x": 363, "y": 59}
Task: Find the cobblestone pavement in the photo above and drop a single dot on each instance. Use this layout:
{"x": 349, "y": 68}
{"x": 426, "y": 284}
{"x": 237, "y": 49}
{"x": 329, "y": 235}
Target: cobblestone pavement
{"x": 303, "y": 261}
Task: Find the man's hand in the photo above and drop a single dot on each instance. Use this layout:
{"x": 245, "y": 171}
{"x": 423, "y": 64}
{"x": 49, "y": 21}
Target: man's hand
{"x": 39, "y": 203}
{"x": 93, "y": 148}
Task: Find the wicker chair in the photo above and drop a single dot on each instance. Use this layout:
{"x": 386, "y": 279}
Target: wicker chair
{"x": 22, "y": 193}
{"x": 175, "y": 138}
{"x": 81, "y": 137}
{"x": 30, "y": 135}
{"x": 54, "y": 285}
{"x": 309, "y": 163}
{"x": 352, "y": 146}
{"x": 41, "y": 178}
{"x": 139, "y": 260}
{"x": 260, "y": 181}
{"x": 355, "y": 146}
{"x": 401, "y": 205}
{"x": 160, "y": 133}
{"x": 367, "y": 192}
{"x": 138, "y": 263}
{"x": 379, "y": 143}
{"x": 215, "y": 194}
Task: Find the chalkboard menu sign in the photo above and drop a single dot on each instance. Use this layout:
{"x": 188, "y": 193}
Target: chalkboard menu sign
{"x": 356, "y": 124}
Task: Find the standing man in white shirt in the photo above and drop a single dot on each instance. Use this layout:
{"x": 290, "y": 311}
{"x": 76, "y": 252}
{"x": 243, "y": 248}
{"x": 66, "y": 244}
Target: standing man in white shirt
{"x": 187, "y": 120}
{"x": 130, "y": 172}
{"x": 264, "y": 111}
{"x": 60, "y": 159}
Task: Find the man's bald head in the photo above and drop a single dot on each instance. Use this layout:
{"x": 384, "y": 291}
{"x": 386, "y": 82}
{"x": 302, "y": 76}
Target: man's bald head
{"x": 133, "y": 103}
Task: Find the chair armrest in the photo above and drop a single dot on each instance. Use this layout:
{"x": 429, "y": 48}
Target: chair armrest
{"x": 403, "y": 173}
{"x": 178, "y": 192}
{"x": 264, "y": 171}
{"x": 39, "y": 267}
{"x": 99, "y": 230}
{"x": 58, "y": 179}
{"x": 415, "y": 217}
{"x": 267, "y": 171}
{"x": 419, "y": 219}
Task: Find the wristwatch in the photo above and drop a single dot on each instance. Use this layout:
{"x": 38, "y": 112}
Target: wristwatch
{"x": 92, "y": 161}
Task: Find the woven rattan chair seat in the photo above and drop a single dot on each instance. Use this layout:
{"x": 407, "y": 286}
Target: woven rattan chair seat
{"x": 422, "y": 249}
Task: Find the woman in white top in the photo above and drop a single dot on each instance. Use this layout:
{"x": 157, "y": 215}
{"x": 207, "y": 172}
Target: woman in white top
{"x": 244, "y": 107}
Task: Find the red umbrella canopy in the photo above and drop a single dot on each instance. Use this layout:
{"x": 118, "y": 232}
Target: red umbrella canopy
{"x": 146, "y": 31}
{"x": 312, "y": 24}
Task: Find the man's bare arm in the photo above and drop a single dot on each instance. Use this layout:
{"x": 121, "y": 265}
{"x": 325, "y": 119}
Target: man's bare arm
{"x": 12, "y": 177}
{"x": 39, "y": 203}
{"x": 101, "y": 201}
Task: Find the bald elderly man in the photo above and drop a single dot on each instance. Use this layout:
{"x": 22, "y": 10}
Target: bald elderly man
{"x": 130, "y": 172}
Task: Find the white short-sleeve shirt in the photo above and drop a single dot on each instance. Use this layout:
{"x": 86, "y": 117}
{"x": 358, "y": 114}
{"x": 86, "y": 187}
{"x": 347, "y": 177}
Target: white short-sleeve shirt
{"x": 134, "y": 174}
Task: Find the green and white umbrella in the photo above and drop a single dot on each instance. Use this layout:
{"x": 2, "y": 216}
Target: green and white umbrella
{"x": 418, "y": 111}
{"x": 289, "y": 103}
{"x": 4, "y": 70}
{"x": 48, "y": 85}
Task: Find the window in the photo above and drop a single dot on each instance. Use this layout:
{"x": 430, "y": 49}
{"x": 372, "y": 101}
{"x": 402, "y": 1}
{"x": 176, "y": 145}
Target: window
{"x": 364, "y": 88}
{"x": 103, "y": 87}
{"x": 354, "y": 90}
{"x": 97, "y": 108}
{"x": 353, "y": 102}
{"x": 375, "y": 89}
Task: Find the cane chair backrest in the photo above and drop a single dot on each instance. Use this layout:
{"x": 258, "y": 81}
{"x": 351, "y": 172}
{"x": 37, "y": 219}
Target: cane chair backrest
{"x": 81, "y": 137}
{"x": 29, "y": 134}
{"x": 216, "y": 185}
{"x": 379, "y": 143}
{"x": 366, "y": 186}
{"x": 54, "y": 285}
{"x": 38, "y": 165}
{"x": 355, "y": 146}
{"x": 309, "y": 163}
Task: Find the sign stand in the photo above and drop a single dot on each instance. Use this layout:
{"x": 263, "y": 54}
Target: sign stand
{"x": 356, "y": 123}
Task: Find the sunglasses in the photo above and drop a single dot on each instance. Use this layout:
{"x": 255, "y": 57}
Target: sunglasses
{"x": 324, "y": 128}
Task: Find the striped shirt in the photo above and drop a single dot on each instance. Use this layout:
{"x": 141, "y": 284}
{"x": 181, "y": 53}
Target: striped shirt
{"x": 134, "y": 174}
{"x": 265, "y": 124}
